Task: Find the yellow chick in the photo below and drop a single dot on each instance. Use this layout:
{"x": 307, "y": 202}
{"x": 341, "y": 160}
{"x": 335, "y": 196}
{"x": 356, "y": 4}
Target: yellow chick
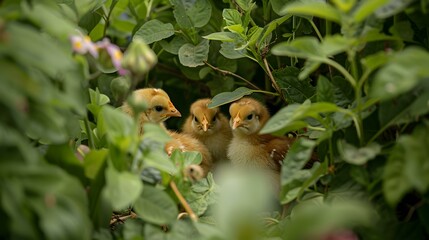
{"x": 247, "y": 147}
{"x": 159, "y": 106}
{"x": 209, "y": 126}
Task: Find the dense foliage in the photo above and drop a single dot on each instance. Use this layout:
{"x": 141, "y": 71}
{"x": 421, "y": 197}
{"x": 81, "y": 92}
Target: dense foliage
{"x": 351, "y": 76}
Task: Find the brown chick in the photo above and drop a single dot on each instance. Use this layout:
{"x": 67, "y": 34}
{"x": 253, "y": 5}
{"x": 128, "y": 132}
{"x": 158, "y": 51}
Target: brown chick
{"x": 159, "y": 106}
{"x": 247, "y": 147}
{"x": 209, "y": 126}
{"x": 159, "y": 109}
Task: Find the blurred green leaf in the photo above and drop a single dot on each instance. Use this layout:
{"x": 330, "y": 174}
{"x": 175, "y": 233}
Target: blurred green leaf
{"x": 367, "y": 8}
{"x": 122, "y": 188}
{"x": 407, "y": 167}
{"x": 313, "y": 8}
{"x": 392, "y": 7}
{"x": 203, "y": 194}
{"x": 344, "y": 5}
{"x": 278, "y": 5}
{"x": 154, "y": 155}
{"x": 325, "y": 90}
{"x": 64, "y": 157}
{"x": 303, "y": 47}
{"x": 194, "y": 55}
{"x": 408, "y": 64}
{"x": 94, "y": 161}
{"x": 358, "y": 156}
{"x": 156, "y": 206}
{"x": 47, "y": 193}
{"x": 116, "y": 122}
{"x": 180, "y": 230}
{"x": 154, "y": 31}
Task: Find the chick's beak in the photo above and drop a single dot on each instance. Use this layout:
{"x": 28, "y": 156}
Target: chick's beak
{"x": 236, "y": 122}
{"x": 172, "y": 111}
{"x": 205, "y": 123}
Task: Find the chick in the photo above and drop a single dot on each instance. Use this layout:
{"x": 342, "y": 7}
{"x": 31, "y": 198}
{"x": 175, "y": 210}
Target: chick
{"x": 209, "y": 126}
{"x": 159, "y": 106}
{"x": 159, "y": 109}
{"x": 247, "y": 147}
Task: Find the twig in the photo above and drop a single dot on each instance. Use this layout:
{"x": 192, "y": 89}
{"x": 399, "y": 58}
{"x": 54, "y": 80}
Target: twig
{"x": 232, "y": 74}
{"x": 182, "y": 200}
{"x": 273, "y": 81}
{"x": 123, "y": 218}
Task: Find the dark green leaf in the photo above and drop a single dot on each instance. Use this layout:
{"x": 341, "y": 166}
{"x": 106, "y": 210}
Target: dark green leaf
{"x": 93, "y": 162}
{"x": 392, "y": 7}
{"x": 156, "y": 206}
{"x": 154, "y": 31}
{"x": 174, "y": 45}
{"x": 325, "y": 90}
{"x": 231, "y": 17}
{"x": 293, "y": 89}
{"x": 228, "y": 97}
{"x": 116, "y": 122}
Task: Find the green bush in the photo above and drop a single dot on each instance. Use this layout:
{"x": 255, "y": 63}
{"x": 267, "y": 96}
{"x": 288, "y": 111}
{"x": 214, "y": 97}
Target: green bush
{"x": 351, "y": 76}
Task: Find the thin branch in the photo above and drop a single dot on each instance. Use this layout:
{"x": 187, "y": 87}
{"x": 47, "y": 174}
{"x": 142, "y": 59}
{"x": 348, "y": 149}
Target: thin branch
{"x": 182, "y": 200}
{"x": 273, "y": 81}
{"x": 123, "y": 218}
{"x": 232, "y": 74}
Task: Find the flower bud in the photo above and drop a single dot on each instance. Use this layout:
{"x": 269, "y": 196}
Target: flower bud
{"x": 139, "y": 57}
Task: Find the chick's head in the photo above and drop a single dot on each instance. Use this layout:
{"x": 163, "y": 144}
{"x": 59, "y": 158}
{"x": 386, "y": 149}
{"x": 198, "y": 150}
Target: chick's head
{"x": 160, "y": 107}
{"x": 248, "y": 116}
{"x": 204, "y": 119}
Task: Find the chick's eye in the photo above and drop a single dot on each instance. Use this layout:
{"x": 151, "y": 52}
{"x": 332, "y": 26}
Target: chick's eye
{"x": 214, "y": 119}
{"x": 250, "y": 117}
{"x": 195, "y": 119}
{"x": 158, "y": 108}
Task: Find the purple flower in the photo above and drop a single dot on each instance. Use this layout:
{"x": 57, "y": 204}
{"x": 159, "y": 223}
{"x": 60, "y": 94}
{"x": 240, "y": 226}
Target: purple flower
{"x": 115, "y": 54}
{"x": 83, "y": 44}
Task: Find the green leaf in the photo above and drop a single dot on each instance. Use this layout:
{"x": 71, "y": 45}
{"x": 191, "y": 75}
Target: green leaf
{"x": 63, "y": 156}
{"x": 231, "y": 17}
{"x": 93, "y": 162}
{"x": 193, "y": 56}
{"x": 190, "y": 13}
{"x": 155, "y": 156}
{"x": 313, "y": 8}
{"x": 335, "y": 44}
{"x": 303, "y": 47}
{"x": 221, "y": 36}
{"x": 271, "y": 26}
{"x": 174, "y": 45}
{"x": 246, "y": 5}
{"x": 293, "y": 89}
{"x": 277, "y": 5}
{"x": 90, "y": 20}
{"x": 180, "y": 230}
{"x": 292, "y": 116}
{"x": 122, "y": 188}
{"x": 155, "y": 132}
{"x": 390, "y": 82}
{"x": 344, "y": 5}
{"x": 392, "y": 7}
{"x": 296, "y": 158}
{"x": 228, "y": 97}
{"x": 231, "y": 50}
{"x": 374, "y": 61}
{"x": 325, "y": 90}
{"x": 203, "y": 194}
{"x": 116, "y": 122}
{"x": 357, "y": 156}
{"x": 156, "y": 206}
{"x": 154, "y": 31}
{"x": 366, "y": 8}
{"x": 407, "y": 167}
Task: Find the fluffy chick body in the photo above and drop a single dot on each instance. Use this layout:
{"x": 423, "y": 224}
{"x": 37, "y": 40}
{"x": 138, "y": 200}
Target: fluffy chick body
{"x": 247, "y": 147}
{"x": 209, "y": 126}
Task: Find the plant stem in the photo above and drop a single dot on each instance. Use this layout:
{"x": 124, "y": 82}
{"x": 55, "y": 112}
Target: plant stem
{"x": 342, "y": 70}
{"x": 225, "y": 72}
{"x": 182, "y": 200}
{"x": 316, "y": 30}
{"x": 273, "y": 81}
{"x": 91, "y": 142}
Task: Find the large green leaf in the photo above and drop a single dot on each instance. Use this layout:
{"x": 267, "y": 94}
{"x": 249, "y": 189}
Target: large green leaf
{"x": 402, "y": 73}
{"x": 194, "y": 55}
{"x": 366, "y": 8}
{"x": 203, "y": 194}
{"x": 122, "y": 188}
{"x": 190, "y": 13}
{"x": 156, "y": 206}
{"x": 231, "y": 17}
{"x": 292, "y": 116}
{"x": 358, "y": 156}
{"x": 293, "y": 89}
{"x": 94, "y": 161}
{"x": 325, "y": 90}
{"x": 303, "y": 47}
{"x": 48, "y": 194}
{"x": 154, "y": 30}
{"x": 313, "y": 8}
{"x": 116, "y": 122}
{"x": 407, "y": 167}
